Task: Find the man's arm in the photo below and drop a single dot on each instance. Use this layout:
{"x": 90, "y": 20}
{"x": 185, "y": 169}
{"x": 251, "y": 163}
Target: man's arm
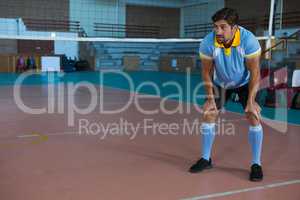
{"x": 207, "y": 70}
{"x": 209, "y": 107}
{"x": 254, "y": 69}
{"x": 252, "y": 108}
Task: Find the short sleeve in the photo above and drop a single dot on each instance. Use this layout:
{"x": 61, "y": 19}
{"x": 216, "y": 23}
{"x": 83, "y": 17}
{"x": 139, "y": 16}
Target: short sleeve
{"x": 252, "y": 47}
{"x": 206, "y": 50}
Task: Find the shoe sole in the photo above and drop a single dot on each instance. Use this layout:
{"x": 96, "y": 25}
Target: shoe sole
{"x": 195, "y": 172}
{"x": 256, "y": 179}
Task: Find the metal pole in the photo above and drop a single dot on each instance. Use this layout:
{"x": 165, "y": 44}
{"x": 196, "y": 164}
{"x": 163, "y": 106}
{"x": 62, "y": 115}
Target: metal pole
{"x": 268, "y": 44}
{"x": 281, "y": 10}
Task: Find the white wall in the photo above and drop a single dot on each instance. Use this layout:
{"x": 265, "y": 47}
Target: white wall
{"x": 8, "y": 26}
{"x": 90, "y": 11}
{"x": 11, "y": 27}
{"x": 70, "y": 48}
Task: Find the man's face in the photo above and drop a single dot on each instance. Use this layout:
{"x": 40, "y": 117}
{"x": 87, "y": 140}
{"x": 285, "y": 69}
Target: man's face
{"x": 224, "y": 32}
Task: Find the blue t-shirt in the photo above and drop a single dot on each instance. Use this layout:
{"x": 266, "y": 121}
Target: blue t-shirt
{"x": 230, "y": 67}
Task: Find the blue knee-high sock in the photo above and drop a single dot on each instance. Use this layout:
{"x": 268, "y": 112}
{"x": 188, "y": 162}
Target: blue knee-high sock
{"x": 255, "y": 140}
{"x": 208, "y": 136}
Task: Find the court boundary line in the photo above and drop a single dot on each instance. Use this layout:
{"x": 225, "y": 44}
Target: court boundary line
{"x": 239, "y": 191}
{"x": 47, "y": 134}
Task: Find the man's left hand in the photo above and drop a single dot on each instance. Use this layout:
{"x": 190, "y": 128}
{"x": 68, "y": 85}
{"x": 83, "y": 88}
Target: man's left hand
{"x": 254, "y": 109}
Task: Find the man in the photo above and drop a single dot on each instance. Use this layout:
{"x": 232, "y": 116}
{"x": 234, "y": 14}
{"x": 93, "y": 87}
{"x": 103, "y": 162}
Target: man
{"x": 230, "y": 54}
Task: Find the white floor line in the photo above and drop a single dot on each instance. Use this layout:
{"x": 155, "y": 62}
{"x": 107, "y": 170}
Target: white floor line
{"x": 232, "y": 192}
{"x": 47, "y": 134}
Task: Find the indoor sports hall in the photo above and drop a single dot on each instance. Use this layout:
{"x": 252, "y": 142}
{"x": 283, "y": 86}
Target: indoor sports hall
{"x": 106, "y": 99}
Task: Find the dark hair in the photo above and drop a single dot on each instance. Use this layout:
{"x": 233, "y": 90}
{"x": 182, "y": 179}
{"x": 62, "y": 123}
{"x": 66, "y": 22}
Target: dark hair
{"x": 228, "y": 14}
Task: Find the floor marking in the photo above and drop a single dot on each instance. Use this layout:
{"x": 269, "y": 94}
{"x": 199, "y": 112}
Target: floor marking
{"x": 232, "y": 192}
{"x": 48, "y": 134}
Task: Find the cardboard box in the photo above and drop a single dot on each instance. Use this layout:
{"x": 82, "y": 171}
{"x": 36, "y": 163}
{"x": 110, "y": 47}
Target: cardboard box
{"x": 170, "y": 63}
{"x": 131, "y": 63}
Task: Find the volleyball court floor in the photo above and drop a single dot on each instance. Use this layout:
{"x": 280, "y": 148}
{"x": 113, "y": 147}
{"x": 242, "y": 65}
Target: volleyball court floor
{"x": 43, "y": 157}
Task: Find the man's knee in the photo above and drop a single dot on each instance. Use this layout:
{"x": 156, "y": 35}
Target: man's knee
{"x": 252, "y": 119}
{"x": 210, "y": 116}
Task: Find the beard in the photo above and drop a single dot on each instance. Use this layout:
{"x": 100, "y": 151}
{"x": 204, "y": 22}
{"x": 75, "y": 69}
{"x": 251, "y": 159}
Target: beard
{"x": 221, "y": 39}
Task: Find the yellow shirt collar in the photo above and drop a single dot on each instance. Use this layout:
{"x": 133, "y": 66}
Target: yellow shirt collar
{"x": 236, "y": 41}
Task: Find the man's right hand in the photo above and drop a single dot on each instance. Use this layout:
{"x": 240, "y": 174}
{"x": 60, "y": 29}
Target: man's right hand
{"x": 210, "y": 107}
